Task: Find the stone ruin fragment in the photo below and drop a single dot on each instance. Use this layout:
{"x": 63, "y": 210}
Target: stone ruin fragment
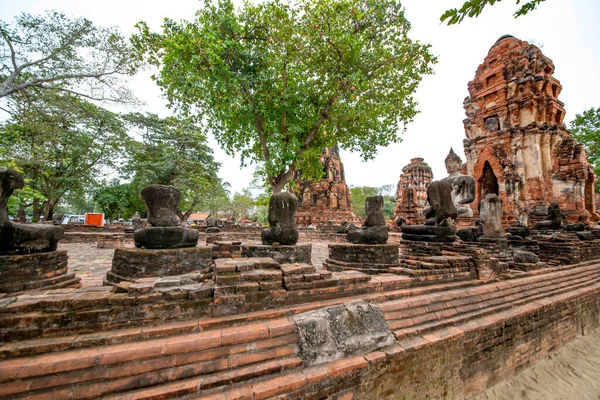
{"x": 165, "y": 232}
{"x": 440, "y": 215}
{"x": 374, "y": 229}
{"x": 282, "y": 224}
{"x": 29, "y": 258}
{"x": 16, "y": 238}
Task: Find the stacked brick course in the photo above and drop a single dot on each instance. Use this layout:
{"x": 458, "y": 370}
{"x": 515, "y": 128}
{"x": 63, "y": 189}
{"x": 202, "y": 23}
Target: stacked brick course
{"x": 21, "y": 272}
{"x": 517, "y": 145}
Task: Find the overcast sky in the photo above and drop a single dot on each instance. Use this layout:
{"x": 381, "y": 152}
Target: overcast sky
{"x": 566, "y": 30}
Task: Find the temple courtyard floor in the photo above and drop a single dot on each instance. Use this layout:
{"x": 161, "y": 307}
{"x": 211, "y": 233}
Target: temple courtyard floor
{"x": 91, "y": 263}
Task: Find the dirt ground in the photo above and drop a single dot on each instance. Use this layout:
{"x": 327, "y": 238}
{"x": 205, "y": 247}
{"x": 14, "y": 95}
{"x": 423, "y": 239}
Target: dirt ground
{"x": 572, "y": 372}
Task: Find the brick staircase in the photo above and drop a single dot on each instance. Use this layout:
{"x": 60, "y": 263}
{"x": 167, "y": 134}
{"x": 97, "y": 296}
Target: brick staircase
{"x": 436, "y": 268}
{"x": 180, "y": 364}
{"x": 256, "y": 355}
{"x": 424, "y": 313}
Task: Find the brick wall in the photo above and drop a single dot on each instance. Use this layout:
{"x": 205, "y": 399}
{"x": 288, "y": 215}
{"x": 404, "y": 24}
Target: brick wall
{"x": 482, "y": 353}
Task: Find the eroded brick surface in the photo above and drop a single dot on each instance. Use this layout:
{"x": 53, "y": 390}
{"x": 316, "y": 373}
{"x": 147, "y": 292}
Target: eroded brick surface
{"x": 518, "y": 146}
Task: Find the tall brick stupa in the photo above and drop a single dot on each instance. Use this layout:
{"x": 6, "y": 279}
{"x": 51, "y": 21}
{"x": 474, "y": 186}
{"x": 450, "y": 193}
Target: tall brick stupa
{"x": 326, "y": 201}
{"x": 517, "y": 145}
{"x": 411, "y": 192}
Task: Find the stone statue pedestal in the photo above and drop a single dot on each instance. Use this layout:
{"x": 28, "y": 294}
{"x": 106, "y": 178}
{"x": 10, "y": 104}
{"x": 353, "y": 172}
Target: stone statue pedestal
{"x": 367, "y": 258}
{"x": 20, "y": 272}
{"x": 282, "y": 254}
{"x": 165, "y": 237}
{"x": 374, "y": 229}
{"x": 28, "y": 256}
{"x": 129, "y": 264}
{"x": 428, "y": 233}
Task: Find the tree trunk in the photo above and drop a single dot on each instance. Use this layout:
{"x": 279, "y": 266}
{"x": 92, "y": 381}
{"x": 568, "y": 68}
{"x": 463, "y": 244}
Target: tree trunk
{"x": 184, "y": 217}
{"x": 277, "y": 185}
{"x": 48, "y": 210}
{"x": 37, "y": 211}
{"x": 21, "y": 217}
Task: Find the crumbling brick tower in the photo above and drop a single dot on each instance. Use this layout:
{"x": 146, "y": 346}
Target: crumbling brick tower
{"x": 517, "y": 145}
{"x": 327, "y": 200}
{"x": 411, "y": 192}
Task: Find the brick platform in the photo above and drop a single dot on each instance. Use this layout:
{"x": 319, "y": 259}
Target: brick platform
{"x": 300, "y": 253}
{"x": 35, "y": 271}
{"x": 452, "y": 340}
{"x": 251, "y": 284}
{"x": 366, "y": 258}
{"x": 132, "y": 263}
{"x": 110, "y": 241}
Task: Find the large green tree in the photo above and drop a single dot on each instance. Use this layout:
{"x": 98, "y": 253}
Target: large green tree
{"x": 54, "y": 52}
{"x": 278, "y": 81}
{"x": 472, "y": 9}
{"x": 115, "y": 200}
{"x": 585, "y": 128}
{"x": 358, "y": 195}
{"x": 173, "y": 151}
{"x": 61, "y": 143}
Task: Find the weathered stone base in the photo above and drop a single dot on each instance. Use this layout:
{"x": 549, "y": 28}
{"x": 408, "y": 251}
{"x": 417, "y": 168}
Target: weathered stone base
{"x": 260, "y": 283}
{"x": 35, "y": 271}
{"x": 300, "y": 253}
{"x": 226, "y": 249}
{"x": 444, "y": 262}
{"x": 132, "y": 263}
{"x": 366, "y": 258}
{"x": 566, "y": 249}
{"x": 113, "y": 241}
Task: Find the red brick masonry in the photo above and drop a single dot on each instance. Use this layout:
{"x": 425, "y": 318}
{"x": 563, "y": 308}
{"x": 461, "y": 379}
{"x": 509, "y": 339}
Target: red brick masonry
{"x": 452, "y": 340}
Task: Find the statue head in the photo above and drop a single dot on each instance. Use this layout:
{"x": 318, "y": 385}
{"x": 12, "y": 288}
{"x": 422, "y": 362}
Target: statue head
{"x": 453, "y": 162}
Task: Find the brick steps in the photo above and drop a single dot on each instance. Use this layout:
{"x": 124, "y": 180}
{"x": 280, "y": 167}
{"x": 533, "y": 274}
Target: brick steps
{"x": 295, "y": 382}
{"x": 254, "y": 355}
{"x": 392, "y": 287}
{"x": 452, "y": 321}
{"x": 217, "y": 357}
{"x": 54, "y": 282}
{"x": 421, "y": 290}
{"x": 408, "y": 317}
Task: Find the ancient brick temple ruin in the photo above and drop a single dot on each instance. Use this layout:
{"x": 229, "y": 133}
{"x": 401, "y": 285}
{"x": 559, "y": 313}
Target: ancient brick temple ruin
{"x": 327, "y": 200}
{"x": 517, "y": 145}
{"x": 411, "y": 192}
{"x": 384, "y": 315}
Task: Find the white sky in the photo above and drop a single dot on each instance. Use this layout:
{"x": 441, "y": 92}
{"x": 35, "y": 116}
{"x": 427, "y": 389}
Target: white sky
{"x": 566, "y": 30}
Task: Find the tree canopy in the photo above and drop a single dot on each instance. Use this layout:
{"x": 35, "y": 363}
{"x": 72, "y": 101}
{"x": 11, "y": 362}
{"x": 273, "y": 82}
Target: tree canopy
{"x": 276, "y": 82}
{"x": 52, "y": 51}
{"x": 585, "y": 128}
{"x": 472, "y": 9}
{"x": 61, "y": 143}
{"x": 173, "y": 151}
{"x": 359, "y": 194}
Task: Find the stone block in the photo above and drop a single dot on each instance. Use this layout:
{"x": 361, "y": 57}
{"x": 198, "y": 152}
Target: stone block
{"x": 133, "y": 263}
{"x": 342, "y": 331}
